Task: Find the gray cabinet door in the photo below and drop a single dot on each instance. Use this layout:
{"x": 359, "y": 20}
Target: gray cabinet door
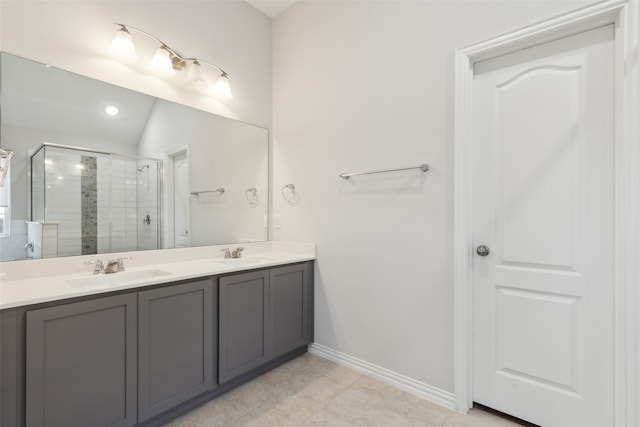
{"x": 176, "y": 345}
{"x": 244, "y": 309}
{"x": 290, "y": 319}
{"x": 81, "y": 364}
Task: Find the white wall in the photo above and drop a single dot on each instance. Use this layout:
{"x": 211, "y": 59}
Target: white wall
{"x": 76, "y": 35}
{"x": 369, "y": 85}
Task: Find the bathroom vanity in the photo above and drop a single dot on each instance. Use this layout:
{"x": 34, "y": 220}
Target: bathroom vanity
{"x": 143, "y": 352}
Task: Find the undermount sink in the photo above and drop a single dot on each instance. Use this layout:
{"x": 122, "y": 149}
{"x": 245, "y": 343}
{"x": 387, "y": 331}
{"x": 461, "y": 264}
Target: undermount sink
{"x": 246, "y": 261}
{"x": 117, "y": 278}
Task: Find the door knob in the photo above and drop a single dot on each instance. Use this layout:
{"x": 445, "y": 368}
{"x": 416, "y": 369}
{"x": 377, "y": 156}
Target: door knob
{"x": 482, "y": 250}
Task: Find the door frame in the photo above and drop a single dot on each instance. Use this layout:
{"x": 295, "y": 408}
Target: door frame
{"x": 623, "y": 14}
{"x": 169, "y": 229}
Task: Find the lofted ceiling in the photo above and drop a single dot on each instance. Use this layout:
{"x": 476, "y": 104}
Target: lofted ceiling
{"x": 61, "y": 102}
{"x": 271, "y": 8}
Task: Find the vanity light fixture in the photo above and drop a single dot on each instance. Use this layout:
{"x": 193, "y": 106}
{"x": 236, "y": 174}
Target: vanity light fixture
{"x": 122, "y": 45}
{"x": 194, "y": 75}
{"x": 161, "y": 63}
{"x": 166, "y": 61}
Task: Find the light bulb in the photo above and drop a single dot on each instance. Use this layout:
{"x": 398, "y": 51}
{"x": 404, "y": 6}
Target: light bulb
{"x": 122, "y": 45}
{"x": 222, "y": 89}
{"x": 194, "y": 76}
{"x": 111, "y": 110}
{"x": 161, "y": 63}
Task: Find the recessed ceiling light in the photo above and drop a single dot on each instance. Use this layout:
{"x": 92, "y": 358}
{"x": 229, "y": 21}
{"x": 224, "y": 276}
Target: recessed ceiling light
{"x": 111, "y": 110}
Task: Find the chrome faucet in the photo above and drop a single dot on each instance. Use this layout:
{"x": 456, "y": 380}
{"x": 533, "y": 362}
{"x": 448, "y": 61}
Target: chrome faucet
{"x": 30, "y": 246}
{"x": 115, "y": 265}
{"x": 99, "y": 266}
{"x": 236, "y": 253}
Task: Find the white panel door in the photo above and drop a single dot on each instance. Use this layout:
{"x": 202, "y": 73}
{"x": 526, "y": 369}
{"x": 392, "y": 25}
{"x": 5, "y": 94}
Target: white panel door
{"x": 543, "y": 195}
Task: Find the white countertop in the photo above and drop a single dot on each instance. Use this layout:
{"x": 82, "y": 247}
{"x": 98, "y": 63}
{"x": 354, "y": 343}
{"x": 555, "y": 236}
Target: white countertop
{"x": 27, "y": 282}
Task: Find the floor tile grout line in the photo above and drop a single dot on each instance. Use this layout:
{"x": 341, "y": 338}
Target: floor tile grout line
{"x": 305, "y": 382}
{"x": 236, "y": 418}
{"x": 323, "y": 406}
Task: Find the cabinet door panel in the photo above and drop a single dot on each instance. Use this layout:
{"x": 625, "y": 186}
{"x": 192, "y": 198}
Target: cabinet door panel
{"x": 290, "y": 308}
{"x": 176, "y": 340}
{"x": 81, "y": 364}
{"x": 244, "y": 308}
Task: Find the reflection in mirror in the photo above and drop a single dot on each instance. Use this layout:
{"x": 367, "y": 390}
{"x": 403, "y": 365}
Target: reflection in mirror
{"x": 77, "y": 198}
{"x": 92, "y": 202}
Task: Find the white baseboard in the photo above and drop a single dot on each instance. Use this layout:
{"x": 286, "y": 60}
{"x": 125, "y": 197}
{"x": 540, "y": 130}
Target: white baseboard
{"x": 417, "y": 388}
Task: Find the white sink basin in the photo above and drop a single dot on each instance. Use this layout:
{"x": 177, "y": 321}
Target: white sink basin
{"x": 246, "y": 261}
{"x": 116, "y": 278}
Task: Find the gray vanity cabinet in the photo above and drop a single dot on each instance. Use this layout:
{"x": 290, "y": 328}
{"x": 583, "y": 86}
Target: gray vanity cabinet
{"x": 244, "y": 323}
{"x": 177, "y": 338}
{"x": 81, "y": 364}
{"x": 263, "y": 314}
{"x": 290, "y": 307}
{"x": 144, "y": 356}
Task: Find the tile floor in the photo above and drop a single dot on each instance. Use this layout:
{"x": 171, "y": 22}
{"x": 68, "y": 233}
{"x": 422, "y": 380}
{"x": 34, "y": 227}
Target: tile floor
{"x": 311, "y": 391}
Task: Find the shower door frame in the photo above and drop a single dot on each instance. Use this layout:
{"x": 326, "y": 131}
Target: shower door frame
{"x": 159, "y": 173}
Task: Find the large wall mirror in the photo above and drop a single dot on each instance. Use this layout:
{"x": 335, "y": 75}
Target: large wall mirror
{"x": 98, "y": 169}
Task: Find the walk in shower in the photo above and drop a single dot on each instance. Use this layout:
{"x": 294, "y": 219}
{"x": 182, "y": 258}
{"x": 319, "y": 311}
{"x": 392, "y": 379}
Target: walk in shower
{"x": 101, "y": 202}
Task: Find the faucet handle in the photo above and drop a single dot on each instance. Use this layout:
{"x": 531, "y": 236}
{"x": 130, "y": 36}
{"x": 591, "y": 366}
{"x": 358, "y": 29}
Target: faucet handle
{"x": 121, "y": 262}
{"x": 227, "y": 253}
{"x": 99, "y": 265}
{"x": 237, "y": 252}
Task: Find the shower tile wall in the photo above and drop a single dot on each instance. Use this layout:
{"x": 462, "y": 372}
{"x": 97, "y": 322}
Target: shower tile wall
{"x": 124, "y": 221}
{"x": 104, "y": 217}
{"x": 115, "y": 179}
{"x": 13, "y": 248}
{"x": 148, "y": 205}
{"x": 97, "y": 200}
{"x": 63, "y": 199}
{"x": 37, "y": 187}
{"x": 89, "y": 204}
